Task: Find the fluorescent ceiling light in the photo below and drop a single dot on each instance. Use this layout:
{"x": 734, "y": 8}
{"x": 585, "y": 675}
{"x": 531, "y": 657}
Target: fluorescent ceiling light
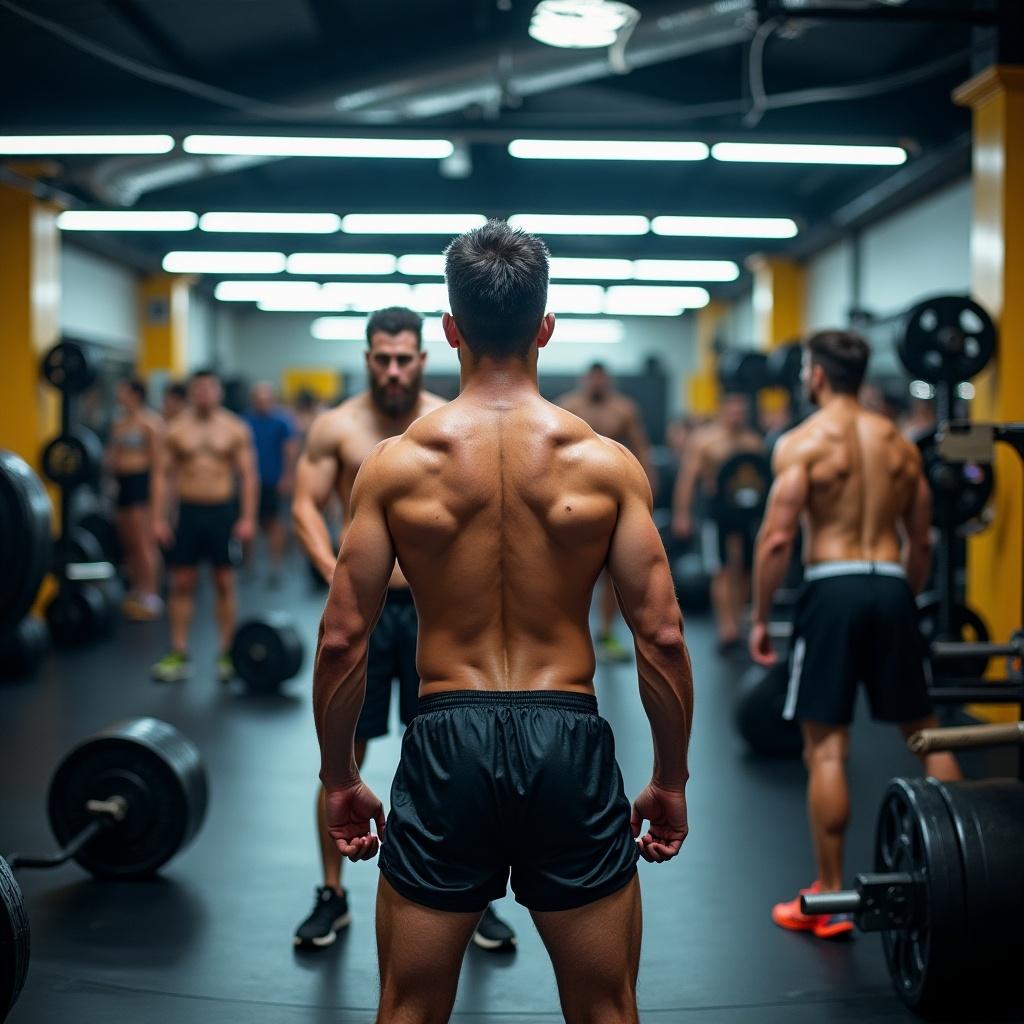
{"x": 411, "y": 223}
{"x": 422, "y": 265}
{"x": 72, "y": 145}
{"x": 126, "y": 220}
{"x": 725, "y": 227}
{"x": 588, "y": 332}
{"x": 653, "y": 300}
{"x": 570, "y": 267}
{"x": 339, "y": 328}
{"x": 256, "y": 291}
{"x": 580, "y": 24}
{"x": 287, "y": 145}
{"x": 576, "y": 224}
{"x": 575, "y": 298}
{"x": 182, "y": 262}
{"x": 685, "y": 270}
{"x": 271, "y": 223}
{"x": 337, "y": 296}
{"x": 341, "y": 263}
{"x": 430, "y": 298}
{"x": 800, "y": 153}
{"x": 599, "y": 149}
{"x": 567, "y": 331}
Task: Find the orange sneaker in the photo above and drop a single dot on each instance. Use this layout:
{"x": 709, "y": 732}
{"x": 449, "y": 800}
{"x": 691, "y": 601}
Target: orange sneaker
{"x": 824, "y": 926}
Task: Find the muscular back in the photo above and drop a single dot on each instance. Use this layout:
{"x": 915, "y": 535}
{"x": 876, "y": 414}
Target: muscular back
{"x": 501, "y": 518}
{"x": 862, "y": 480}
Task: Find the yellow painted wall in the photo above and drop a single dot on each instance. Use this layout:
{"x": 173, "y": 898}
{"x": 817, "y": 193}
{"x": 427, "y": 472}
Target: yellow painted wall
{"x": 325, "y": 382}
{"x": 163, "y": 343}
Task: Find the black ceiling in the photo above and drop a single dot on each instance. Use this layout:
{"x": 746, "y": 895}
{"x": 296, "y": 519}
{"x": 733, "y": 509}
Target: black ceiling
{"x": 288, "y": 59}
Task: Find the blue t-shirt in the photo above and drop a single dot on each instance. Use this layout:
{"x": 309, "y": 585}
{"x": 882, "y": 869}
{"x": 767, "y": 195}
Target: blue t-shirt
{"x": 270, "y": 432}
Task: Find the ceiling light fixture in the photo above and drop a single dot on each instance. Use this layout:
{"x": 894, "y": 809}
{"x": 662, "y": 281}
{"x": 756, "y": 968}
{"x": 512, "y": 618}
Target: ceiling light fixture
{"x": 685, "y": 270}
{"x": 580, "y": 224}
{"x": 126, "y": 220}
{"x": 585, "y": 268}
{"x": 567, "y": 331}
{"x": 74, "y": 145}
{"x": 725, "y": 227}
{"x": 802, "y": 153}
{"x": 356, "y": 263}
{"x": 185, "y": 262}
{"x": 422, "y": 265}
{"x": 653, "y": 300}
{"x": 580, "y": 24}
{"x": 271, "y": 223}
{"x": 600, "y": 149}
{"x": 289, "y": 146}
{"x": 411, "y": 223}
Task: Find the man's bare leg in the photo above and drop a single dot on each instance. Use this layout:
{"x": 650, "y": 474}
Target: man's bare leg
{"x": 277, "y": 538}
{"x": 939, "y": 764}
{"x": 330, "y": 855}
{"x": 595, "y": 951}
{"x": 420, "y": 952}
{"x": 721, "y": 601}
{"x": 826, "y": 748}
{"x": 181, "y": 605}
{"x": 145, "y": 567}
{"x": 224, "y": 585}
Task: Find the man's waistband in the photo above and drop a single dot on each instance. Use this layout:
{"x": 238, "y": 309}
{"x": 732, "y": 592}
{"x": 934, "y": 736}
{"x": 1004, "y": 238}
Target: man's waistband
{"x": 207, "y": 506}
{"x": 583, "y": 702}
{"x": 401, "y": 596}
{"x": 824, "y": 570}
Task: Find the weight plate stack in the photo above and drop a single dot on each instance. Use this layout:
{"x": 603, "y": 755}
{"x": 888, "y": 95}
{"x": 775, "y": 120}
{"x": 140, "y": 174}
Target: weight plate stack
{"x": 967, "y": 625}
{"x": 74, "y": 458}
{"x": 71, "y": 367}
{"x": 14, "y": 940}
{"x": 160, "y": 775}
{"x": 25, "y": 540}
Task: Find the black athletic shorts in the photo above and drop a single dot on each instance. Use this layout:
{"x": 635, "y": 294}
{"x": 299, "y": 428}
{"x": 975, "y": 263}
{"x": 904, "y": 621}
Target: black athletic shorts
{"x": 856, "y": 622}
{"x": 132, "y": 489}
{"x": 270, "y": 502}
{"x": 392, "y": 656}
{"x": 523, "y": 782}
{"x": 715, "y": 543}
{"x": 203, "y": 534}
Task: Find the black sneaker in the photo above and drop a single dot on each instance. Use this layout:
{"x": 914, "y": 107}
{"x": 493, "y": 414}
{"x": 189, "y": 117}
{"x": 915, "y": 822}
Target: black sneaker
{"x": 493, "y": 934}
{"x": 330, "y": 914}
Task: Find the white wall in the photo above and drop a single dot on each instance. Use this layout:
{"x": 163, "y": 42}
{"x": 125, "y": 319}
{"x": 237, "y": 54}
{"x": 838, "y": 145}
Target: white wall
{"x": 98, "y": 300}
{"x": 828, "y": 295}
{"x": 265, "y": 344}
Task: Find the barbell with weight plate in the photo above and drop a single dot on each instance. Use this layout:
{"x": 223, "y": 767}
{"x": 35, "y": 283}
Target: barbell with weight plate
{"x": 25, "y": 539}
{"x": 15, "y": 943}
{"x": 71, "y": 367}
{"x": 783, "y": 366}
{"x": 966, "y": 487}
{"x": 948, "y": 893}
{"x": 967, "y": 626}
{"x": 266, "y": 652}
{"x": 946, "y": 339}
{"x": 743, "y": 370}
{"x": 73, "y": 458}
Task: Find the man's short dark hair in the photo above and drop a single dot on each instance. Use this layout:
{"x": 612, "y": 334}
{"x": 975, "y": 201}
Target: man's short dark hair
{"x": 203, "y": 371}
{"x": 137, "y": 385}
{"x": 177, "y": 389}
{"x": 843, "y": 356}
{"x": 498, "y": 288}
{"x": 597, "y": 368}
{"x": 394, "y": 320}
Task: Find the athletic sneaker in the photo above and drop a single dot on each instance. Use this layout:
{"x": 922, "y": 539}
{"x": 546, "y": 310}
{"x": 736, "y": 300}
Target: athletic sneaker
{"x": 173, "y": 667}
{"x": 493, "y": 934}
{"x": 610, "y": 650}
{"x": 329, "y": 915}
{"x": 825, "y": 926}
{"x": 225, "y": 667}
{"x": 142, "y": 607}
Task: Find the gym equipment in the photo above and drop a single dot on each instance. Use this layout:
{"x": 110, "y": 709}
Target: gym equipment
{"x": 966, "y": 626}
{"x": 74, "y": 458}
{"x": 783, "y": 366}
{"x": 743, "y": 370}
{"x": 966, "y": 487}
{"x": 23, "y": 647}
{"x": 741, "y": 491}
{"x": 946, "y": 339}
{"x": 14, "y": 940}
{"x": 25, "y": 545}
{"x": 692, "y": 582}
{"x": 125, "y": 801}
{"x": 102, "y": 527}
{"x": 964, "y": 737}
{"x": 758, "y": 712}
{"x": 71, "y": 367}
{"x": 81, "y": 613}
{"x": 266, "y": 652}
{"x": 948, "y": 894}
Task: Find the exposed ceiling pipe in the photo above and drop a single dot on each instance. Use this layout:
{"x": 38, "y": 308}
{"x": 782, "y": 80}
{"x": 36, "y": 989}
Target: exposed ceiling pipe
{"x": 481, "y": 76}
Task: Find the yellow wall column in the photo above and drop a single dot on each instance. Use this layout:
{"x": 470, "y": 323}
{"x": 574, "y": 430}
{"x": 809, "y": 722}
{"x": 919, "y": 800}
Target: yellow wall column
{"x": 778, "y": 300}
{"x": 997, "y": 269}
{"x": 163, "y": 345}
{"x": 29, "y": 314}
{"x": 701, "y": 395}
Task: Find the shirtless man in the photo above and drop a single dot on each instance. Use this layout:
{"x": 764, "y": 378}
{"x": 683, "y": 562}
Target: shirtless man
{"x": 859, "y": 490}
{"x": 502, "y": 510}
{"x": 728, "y": 553}
{"x": 132, "y": 451}
{"x": 175, "y": 401}
{"x": 205, "y": 448}
{"x": 613, "y": 415}
{"x": 337, "y": 444}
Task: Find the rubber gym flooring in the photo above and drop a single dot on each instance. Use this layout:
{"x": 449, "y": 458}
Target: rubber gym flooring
{"x": 211, "y": 940}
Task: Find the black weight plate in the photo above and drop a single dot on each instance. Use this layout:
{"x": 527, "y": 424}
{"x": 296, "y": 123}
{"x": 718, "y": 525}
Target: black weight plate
{"x": 967, "y": 625}
{"x": 784, "y": 365}
{"x": 103, "y": 528}
{"x": 988, "y": 818}
{"x": 266, "y": 651}
{"x": 14, "y": 940}
{"x": 161, "y": 776}
{"x": 22, "y": 648}
{"x": 915, "y": 834}
{"x": 693, "y": 585}
{"x": 946, "y": 339}
{"x": 741, "y": 490}
{"x": 71, "y": 367}
{"x": 77, "y": 545}
{"x": 74, "y": 458}
{"x": 967, "y": 486}
{"x": 743, "y": 370}
{"x": 25, "y": 542}
{"x": 758, "y": 712}
{"x": 79, "y": 613}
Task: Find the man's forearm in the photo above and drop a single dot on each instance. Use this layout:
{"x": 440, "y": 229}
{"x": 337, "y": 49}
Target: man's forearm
{"x": 311, "y": 529}
{"x": 770, "y": 567}
{"x": 250, "y": 489}
{"x": 339, "y": 686}
{"x": 666, "y": 690}
{"x": 917, "y": 561}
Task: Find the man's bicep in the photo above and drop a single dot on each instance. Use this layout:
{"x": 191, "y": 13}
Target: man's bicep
{"x": 787, "y": 498}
